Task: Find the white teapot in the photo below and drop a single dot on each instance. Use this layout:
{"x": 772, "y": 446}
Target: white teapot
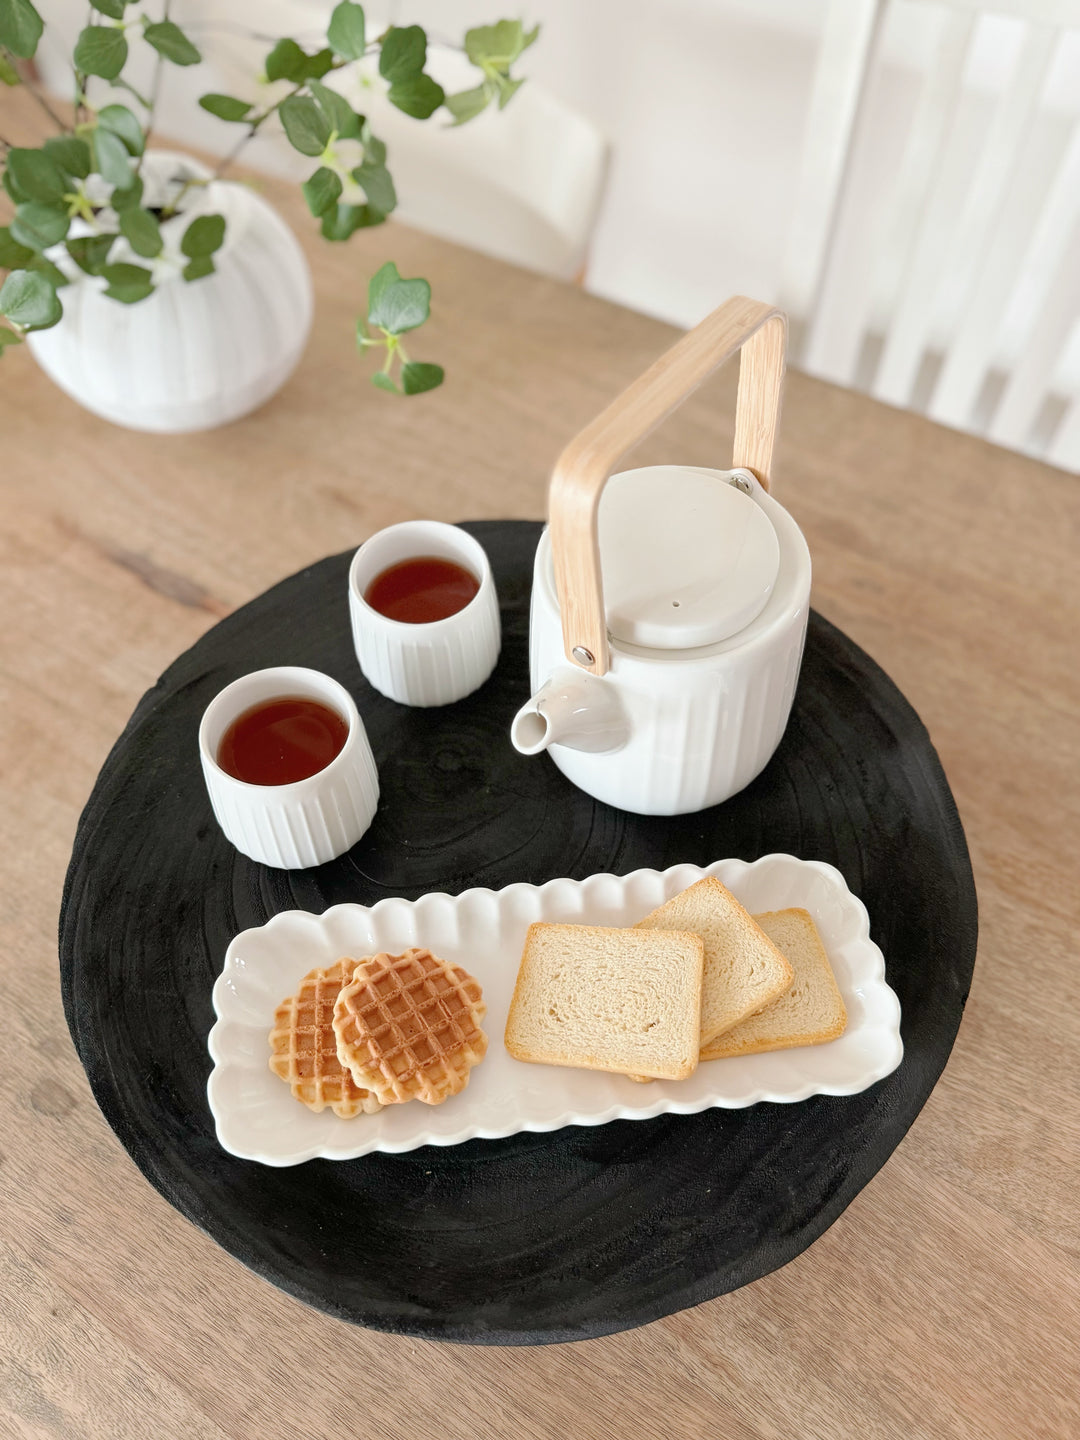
{"x": 669, "y": 604}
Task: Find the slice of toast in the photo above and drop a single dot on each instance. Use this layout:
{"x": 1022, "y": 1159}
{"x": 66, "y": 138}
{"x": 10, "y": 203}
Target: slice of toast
{"x": 810, "y": 1012}
{"x": 627, "y": 1001}
{"x": 744, "y": 970}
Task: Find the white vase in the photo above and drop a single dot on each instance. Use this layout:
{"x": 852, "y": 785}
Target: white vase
{"x": 195, "y": 354}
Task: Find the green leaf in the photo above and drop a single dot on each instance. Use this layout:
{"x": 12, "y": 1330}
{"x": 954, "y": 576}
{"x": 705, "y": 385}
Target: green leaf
{"x": 400, "y": 305}
{"x": 10, "y": 76}
{"x": 171, "y": 42}
{"x": 13, "y": 256}
{"x": 55, "y": 276}
{"x": 203, "y": 236}
{"x": 14, "y": 193}
{"x": 403, "y": 53}
{"x": 122, "y": 123}
{"x": 286, "y": 62}
{"x": 141, "y": 231}
{"x": 374, "y": 150}
{"x": 20, "y": 27}
{"x": 72, "y": 155}
{"x": 9, "y": 337}
{"x": 467, "y": 104}
{"x": 384, "y": 277}
{"x": 90, "y": 252}
{"x": 127, "y": 283}
{"x": 317, "y": 65}
{"x": 37, "y": 175}
{"x": 344, "y": 220}
{"x": 305, "y": 125}
{"x": 101, "y": 50}
{"x": 508, "y": 89}
{"x": 498, "y": 46}
{"x": 346, "y": 30}
{"x": 384, "y": 382}
{"x": 197, "y": 269}
{"x": 416, "y": 377}
{"x": 111, "y": 158}
{"x": 39, "y": 226}
{"x": 322, "y": 190}
{"x": 113, "y": 8}
{"x": 340, "y": 115}
{"x": 419, "y": 96}
{"x": 225, "y": 107}
{"x": 378, "y": 186}
{"x": 30, "y": 301}
{"x": 129, "y": 198}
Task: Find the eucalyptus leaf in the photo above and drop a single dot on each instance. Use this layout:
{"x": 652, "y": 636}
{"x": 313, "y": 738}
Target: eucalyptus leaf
{"x": 374, "y": 149}
{"x": 419, "y": 96}
{"x": 403, "y": 53}
{"x": 340, "y": 115}
{"x": 90, "y": 252}
{"x": 30, "y": 301}
{"x": 344, "y": 220}
{"x": 39, "y": 226}
{"x": 129, "y": 198}
{"x": 20, "y": 27}
{"x": 71, "y": 154}
{"x": 286, "y": 62}
{"x": 305, "y": 125}
{"x": 114, "y": 9}
{"x": 225, "y": 107}
{"x": 141, "y": 231}
{"x": 199, "y": 268}
{"x": 13, "y": 256}
{"x": 111, "y": 158}
{"x": 127, "y": 283}
{"x": 37, "y": 175}
{"x": 322, "y": 190}
{"x": 101, "y": 50}
{"x": 346, "y": 30}
{"x": 467, "y": 104}
{"x": 400, "y": 306}
{"x": 170, "y": 41}
{"x": 416, "y": 377}
{"x": 8, "y": 337}
{"x": 203, "y": 236}
{"x": 385, "y": 382}
{"x": 499, "y": 45}
{"x": 8, "y": 76}
{"x": 55, "y": 276}
{"x": 122, "y": 123}
{"x": 378, "y": 186}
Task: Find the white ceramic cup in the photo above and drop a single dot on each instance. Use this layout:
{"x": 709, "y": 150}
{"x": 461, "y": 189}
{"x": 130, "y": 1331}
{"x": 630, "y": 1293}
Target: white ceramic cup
{"x": 434, "y": 663}
{"x": 310, "y": 821}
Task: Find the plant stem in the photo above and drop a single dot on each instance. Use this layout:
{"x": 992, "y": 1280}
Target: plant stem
{"x": 155, "y": 92}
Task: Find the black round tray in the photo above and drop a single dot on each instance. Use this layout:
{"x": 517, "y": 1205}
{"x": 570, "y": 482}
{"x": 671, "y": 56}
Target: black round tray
{"x": 536, "y": 1238}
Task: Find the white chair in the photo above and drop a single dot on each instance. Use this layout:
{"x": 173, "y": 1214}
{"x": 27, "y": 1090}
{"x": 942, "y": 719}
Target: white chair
{"x": 934, "y": 247}
{"x": 523, "y": 184}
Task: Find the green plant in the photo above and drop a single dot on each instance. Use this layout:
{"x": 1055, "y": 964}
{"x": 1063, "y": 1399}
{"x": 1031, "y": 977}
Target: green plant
{"x": 82, "y": 189}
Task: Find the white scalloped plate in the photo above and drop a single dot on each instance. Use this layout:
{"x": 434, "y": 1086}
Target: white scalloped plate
{"x": 483, "y": 930}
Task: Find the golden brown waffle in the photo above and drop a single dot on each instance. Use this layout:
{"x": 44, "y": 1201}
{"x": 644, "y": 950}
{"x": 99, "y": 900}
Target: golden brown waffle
{"x": 304, "y": 1046}
{"x": 408, "y": 1027}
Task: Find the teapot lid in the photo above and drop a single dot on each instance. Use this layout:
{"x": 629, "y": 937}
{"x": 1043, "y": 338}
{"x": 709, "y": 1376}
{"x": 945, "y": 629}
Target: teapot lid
{"x": 687, "y": 557}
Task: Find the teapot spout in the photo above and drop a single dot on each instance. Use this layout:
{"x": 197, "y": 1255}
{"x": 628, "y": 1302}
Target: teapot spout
{"x": 572, "y": 709}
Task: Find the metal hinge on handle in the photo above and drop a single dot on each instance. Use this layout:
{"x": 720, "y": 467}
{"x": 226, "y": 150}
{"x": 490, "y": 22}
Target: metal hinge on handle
{"x": 756, "y": 330}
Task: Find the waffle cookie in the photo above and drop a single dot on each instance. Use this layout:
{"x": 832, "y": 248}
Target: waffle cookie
{"x": 304, "y": 1047}
{"x": 408, "y": 1027}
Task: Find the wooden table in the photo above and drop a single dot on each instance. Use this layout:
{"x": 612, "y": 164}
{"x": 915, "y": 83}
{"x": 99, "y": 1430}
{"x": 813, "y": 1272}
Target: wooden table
{"x": 946, "y": 1300}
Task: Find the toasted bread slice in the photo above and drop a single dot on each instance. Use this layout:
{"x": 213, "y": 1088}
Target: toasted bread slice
{"x": 744, "y": 970}
{"x": 627, "y": 1001}
{"x": 810, "y": 1012}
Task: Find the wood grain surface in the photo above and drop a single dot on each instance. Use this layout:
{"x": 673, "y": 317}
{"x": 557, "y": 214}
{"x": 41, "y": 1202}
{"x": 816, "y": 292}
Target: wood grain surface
{"x": 946, "y": 1300}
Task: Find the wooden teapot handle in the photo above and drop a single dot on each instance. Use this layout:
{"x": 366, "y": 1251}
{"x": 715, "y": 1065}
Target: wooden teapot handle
{"x": 759, "y": 331}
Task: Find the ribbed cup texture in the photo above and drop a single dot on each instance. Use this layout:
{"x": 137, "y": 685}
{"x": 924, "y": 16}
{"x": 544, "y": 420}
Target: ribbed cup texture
{"x": 277, "y": 826}
{"x": 434, "y": 665}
